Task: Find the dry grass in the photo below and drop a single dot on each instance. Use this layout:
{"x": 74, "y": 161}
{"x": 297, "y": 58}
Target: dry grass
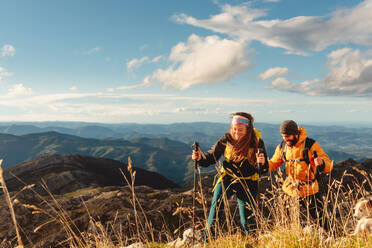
{"x": 279, "y": 224}
{"x": 10, "y": 205}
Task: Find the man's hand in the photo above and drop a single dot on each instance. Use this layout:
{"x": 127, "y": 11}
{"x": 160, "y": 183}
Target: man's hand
{"x": 318, "y": 161}
{"x": 196, "y": 155}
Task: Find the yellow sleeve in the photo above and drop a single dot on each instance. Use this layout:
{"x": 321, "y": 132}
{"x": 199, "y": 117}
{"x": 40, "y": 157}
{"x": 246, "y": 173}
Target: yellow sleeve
{"x": 276, "y": 161}
{"x": 328, "y": 164}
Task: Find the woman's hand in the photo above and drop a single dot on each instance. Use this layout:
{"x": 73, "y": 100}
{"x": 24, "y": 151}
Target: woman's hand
{"x": 260, "y": 158}
{"x": 196, "y": 155}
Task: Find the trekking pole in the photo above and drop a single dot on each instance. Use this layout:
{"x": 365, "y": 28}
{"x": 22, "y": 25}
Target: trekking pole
{"x": 259, "y": 165}
{"x": 317, "y": 171}
{"x": 317, "y": 175}
{"x": 196, "y": 148}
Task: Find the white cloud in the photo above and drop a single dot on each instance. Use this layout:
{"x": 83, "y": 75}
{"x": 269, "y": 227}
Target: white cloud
{"x": 273, "y": 72}
{"x": 151, "y": 108}
{"x": 281, "y": 83}
{"x": 4, "y": 73}
{"x": 350, "y": 74}
{"x": 135, "y": 63}
{"x": 94, "y": 50}
{"x": 19, "y": 90}
{"x": 156, "y": 59}
{"x": 297, "y": 35}
{"x": 8, "y": 50}
{"x": 25, "y": 97}
{"x": 146, "y": 83}
{"x": 203, "y": 60}
{"x": 336, "y": 55}
{"x": 114, "y": 107}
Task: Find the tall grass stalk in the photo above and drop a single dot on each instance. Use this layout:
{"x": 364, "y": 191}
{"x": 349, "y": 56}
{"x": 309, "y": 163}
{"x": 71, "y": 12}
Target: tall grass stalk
{"x": 135, "y": 200}
{"x": 62, "y": 216}
{"x": 10, "y": 205}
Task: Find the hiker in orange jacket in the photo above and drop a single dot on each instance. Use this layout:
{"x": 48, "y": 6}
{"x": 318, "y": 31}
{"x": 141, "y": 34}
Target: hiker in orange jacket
{"x": 304, "y": 160}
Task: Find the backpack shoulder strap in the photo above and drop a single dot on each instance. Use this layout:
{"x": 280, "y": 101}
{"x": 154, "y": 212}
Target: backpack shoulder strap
{"x": 306, "y": 148}
{"x": 309, "y": 142}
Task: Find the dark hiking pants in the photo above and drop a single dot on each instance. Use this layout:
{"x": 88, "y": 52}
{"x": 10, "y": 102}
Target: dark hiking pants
{"x": 312, "y": 209}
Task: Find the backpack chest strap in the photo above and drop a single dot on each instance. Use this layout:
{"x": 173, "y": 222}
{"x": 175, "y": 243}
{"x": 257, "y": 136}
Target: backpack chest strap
{"x": 305, "y": 152}
{"x": 307, "y": 144}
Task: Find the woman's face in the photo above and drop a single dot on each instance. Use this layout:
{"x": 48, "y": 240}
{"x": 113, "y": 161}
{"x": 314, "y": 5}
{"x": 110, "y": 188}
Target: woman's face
{"x": 238, "y": 131}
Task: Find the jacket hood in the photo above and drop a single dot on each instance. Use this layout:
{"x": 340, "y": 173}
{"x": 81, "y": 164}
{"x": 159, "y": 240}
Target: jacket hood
{"x": 302, "y": 135}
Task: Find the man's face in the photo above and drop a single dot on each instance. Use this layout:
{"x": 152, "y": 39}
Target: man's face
{"x": 290, "y": 139}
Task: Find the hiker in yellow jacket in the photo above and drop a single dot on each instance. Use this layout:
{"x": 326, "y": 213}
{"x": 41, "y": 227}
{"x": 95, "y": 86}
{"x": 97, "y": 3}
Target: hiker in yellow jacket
{"x": 239, "y": 172}
{"x": 304, "y": 161}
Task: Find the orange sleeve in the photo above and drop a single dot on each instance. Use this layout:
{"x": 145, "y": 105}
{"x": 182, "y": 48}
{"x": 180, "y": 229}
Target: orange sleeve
{"x": 328, "y": 164}
{"x": 276, "y": 161}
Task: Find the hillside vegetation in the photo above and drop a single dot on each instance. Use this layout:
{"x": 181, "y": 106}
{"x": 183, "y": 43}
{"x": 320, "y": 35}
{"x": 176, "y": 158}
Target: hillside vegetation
{"x": 100, "y": 214}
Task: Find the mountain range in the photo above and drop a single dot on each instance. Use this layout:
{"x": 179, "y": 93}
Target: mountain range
{"x": 161, "y": 155}
{"x": 158, "y": 148}
{"x": 356, "y": 141}
{"x": 67, "y": 173}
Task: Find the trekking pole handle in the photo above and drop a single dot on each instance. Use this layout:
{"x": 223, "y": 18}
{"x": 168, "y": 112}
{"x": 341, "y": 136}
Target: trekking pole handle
{"x": 195, "y": 146}
{"x": 260, "y": 151}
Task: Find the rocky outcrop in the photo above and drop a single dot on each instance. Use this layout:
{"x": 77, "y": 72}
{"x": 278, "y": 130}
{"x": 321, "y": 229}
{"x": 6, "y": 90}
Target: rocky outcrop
{"x": 48, "y": 221}
{"x": 58, "y": 197}
{"x": 349, "y": 174}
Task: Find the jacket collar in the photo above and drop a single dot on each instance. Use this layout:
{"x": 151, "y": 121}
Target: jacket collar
{"x": 302, "y": 136}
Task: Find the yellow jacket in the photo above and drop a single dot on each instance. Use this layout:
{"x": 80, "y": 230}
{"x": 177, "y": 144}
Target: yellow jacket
{"x": 300, "y": 180}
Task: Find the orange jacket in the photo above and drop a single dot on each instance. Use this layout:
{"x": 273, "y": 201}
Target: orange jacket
{"x": 300, "y": 179}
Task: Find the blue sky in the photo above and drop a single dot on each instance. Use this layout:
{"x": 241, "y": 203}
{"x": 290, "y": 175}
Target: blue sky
{"x": 183, "y": 61}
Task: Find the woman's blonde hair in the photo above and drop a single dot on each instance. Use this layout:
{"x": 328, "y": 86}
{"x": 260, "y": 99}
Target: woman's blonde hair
{"x": 241, "y": 148}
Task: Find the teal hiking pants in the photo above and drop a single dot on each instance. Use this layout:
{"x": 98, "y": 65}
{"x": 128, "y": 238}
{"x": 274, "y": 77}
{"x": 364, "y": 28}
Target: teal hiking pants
{"x": 246, "y": 193}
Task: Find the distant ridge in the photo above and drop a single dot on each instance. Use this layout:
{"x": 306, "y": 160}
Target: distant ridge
{"x": 170, "y": 160}
{"x": 342, "y": 142}
{"x": 161, "y": 148}
{"x": 67, "y": 173}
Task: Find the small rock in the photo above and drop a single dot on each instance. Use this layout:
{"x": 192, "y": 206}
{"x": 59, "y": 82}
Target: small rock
{"x": 175, "y": 243}
{"x": 137, "y": 245}
{"x": 188, "y": 236}
{"x": 188, "y": 239}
